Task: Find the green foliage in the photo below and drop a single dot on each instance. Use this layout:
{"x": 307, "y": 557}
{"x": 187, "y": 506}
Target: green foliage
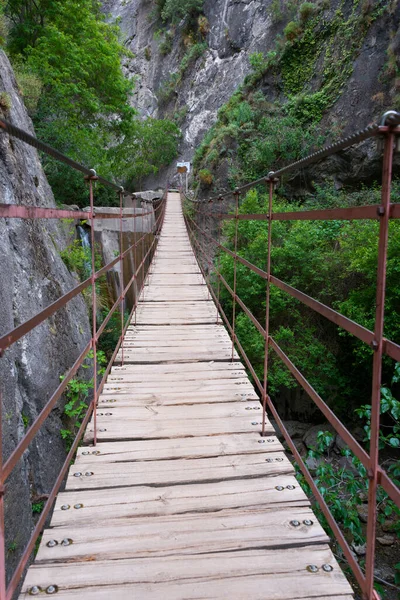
{"x": 37, "y": 507}
{"x": 167, "y": 43}
{"x": 12, "y": 547}
{"x": 389, "y": 407}
{"x": 257, "y": 61}
{"x": 292, "y": 31}
{"x": 25, "y": 420}
{"x": 334, "y": 262}
{"x": 153, "y": 143}
{"x": 175, "y": 10}
{"x": 203, "y": 25}
{"x": 205, "y": 177}
{"x": 30, "y": 86}
{"x": 5, "y": 102}
{"x": 77, "y": 259}
{"x": 68, "y": 64}
{"x": 77, "y": 396}
{"x": 260, "y": 134}
{"x": 111, "y": 334}
{"x": 305, "y": 11}
{"x": 343, "y": 489}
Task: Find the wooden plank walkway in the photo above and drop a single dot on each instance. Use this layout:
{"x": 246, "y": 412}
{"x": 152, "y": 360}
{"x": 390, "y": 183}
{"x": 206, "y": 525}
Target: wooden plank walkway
{"x": 182, "y": 498}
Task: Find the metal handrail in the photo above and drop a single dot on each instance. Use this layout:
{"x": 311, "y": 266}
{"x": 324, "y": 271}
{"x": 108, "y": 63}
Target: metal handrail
{"x": 200, "y": 239}
{"x": 7, "y": 340}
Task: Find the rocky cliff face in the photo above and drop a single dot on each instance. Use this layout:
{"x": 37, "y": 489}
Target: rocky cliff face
{"x": 32, "y": 276}
{"x": 238, "y": 28}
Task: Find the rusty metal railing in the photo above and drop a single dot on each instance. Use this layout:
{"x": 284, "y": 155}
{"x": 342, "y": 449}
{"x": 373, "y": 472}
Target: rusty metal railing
{"x": 7, "y": 340}
{"x": 388, "y": 134}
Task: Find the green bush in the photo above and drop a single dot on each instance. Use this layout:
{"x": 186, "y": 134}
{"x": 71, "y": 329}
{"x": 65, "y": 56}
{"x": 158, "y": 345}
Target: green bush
{"x": 306, "y": 10}
{"x": 167, "y": 44}
{"x": 206, "y": 177}
{"x": 175, "y": 10}
{"x": 30, "y": 87}
{"x": 292, "y": 31}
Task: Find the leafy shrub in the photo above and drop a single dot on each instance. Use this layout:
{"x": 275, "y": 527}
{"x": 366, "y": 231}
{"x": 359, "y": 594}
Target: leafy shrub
{"x": 5, "y": 102}
{"x": 77, "y": 259}
{"x": 305, "y": 11}
{"x": 77, "y": 396}
{"x": 30, "y": 87}
{"x": 257, "y": 61}
{"x": 206, "y": 177}
{"x": 167, "y": 43}
{"x": 203, "y": 25}
{"x": 292, "y": 31}
{"x": 147, "y": 53}
{"x": 175, "y": 10}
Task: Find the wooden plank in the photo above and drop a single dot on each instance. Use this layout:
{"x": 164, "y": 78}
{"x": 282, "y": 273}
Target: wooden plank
{"x": 238, "y": 575}
{"x": 138, "y": 430}
{"x": 220, "y": 410}
{"x": 197, "y": 447}
{"x": 223, "y": 531}
{"x": 235, "y": 385}
{"x": 113, "y": 504}
{"x": 173, "y": 472}
{"x": 171, "y": 398}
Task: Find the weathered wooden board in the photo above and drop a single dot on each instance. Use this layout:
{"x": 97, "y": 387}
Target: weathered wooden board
{"x": 138, "y": 430}
{"x": 141, "y": 501}
{"x": 173, "y": 472}
{"x": 109, "y": 401}
{"x": 196, "y": 447}
{"x": 238, "y": 575}
{"x": 222, "y": 531}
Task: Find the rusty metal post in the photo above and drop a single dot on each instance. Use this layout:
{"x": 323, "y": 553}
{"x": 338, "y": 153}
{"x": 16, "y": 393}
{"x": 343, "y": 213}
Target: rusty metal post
{"x": 136, "y": 290}
{"x": 91, "y": 179}
{"x": 270, "y": 183}
{"x": 219, "y": 219}
{"x": 3, "y": 584}
{"x": 237, "y": 195}
{"x": 377, "y": 345}
{"x": 121, "y": 263}
{"x": 143, "y": 254}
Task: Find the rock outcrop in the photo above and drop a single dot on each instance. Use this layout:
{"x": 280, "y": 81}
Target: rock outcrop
{"x": 32, "y": 276}
{"x": 238, "y": 28}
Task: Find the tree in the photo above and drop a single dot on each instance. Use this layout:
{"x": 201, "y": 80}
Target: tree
{"x": 150, "y": 145}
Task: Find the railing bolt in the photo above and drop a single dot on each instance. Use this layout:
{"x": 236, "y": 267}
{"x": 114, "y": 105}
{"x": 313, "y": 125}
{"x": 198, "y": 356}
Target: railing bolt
{"x": 65, "y": 507}
{"x": 78, "y": 506}
{"x": 52, "y": 589}
{"x": 312, "y": 568}
{"x": 308, "y": 522}
{"x": 381, "y": 211}
{"x": 327, "y": 568}
{"x": 35, "y": 590}
{"x": 295, "y": 523}
{"x": 52, "y": 543}
{"x": 279, "y": 488}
